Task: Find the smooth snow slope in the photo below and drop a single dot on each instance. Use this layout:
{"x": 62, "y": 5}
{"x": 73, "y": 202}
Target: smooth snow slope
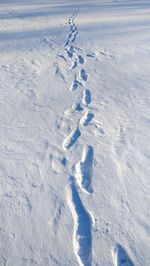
{"x": 74, "y": 134}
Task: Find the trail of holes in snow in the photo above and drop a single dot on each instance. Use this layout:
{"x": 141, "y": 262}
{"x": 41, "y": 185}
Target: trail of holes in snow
{"x": 82, "y": 176}
{"x": 82, "y": 236}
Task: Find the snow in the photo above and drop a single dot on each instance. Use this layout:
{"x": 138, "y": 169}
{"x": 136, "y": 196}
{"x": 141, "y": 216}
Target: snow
{"x": 74, "y": 149}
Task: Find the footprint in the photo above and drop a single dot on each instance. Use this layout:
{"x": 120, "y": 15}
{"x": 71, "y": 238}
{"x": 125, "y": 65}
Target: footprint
{"x": 69, "y": 53}
{"x": 58, "y": 163}
{"x": 67, "y": 43}
{"x": 71, "y": 139}
{"x": 90, "y": 55}
{"x": 77, "y": 107}
{"x": 80, "y": 59}
{"x": 73, "y": 37}
{"x": 85, "y": 120}
{"x": 69, "y": 35}
{"x": 59, "y": 73}
{"x": 75, "y": 84}
{"x": 71, "y": 49}
{"x": 83, "y": 170}
{"x": 73, "y": 31}
{"x": 82, "y": 236}
{"x": 74, "y": 65}
{"x": 57, "y": 160}
{"x": 83, "y": 75}
{"x": 73, "y": 28}
{"x": 86, "y": 97}
{"x": 121, "y": 257}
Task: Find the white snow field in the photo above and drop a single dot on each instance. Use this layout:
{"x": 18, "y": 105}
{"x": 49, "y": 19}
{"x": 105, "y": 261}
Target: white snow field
{"x": 74, "y": 132}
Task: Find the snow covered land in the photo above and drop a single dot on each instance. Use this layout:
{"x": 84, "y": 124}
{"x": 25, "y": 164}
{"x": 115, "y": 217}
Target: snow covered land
{"x": 74, "y": 132}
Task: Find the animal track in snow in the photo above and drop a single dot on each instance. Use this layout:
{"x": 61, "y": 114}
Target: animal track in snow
{"x": 86, "y": 119}
{"x": 86, "y": 97}
{"x": 71, "y": 139}
{"x": 83, "y": 170}
{"x": 82, "y": 236}
{"x": 121, "y": 257}
{"x": 83, "y": 75}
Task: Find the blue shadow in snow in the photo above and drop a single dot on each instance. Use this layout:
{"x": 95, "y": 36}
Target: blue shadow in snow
{"x": 83, "y": 227}
{"x": 122, "y": 257}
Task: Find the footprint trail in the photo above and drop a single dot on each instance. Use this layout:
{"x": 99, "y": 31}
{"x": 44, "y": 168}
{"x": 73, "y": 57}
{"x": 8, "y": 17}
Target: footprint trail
{"x": 82, "y": 235}
{"x": 73, "y": 30}
{"x": 83, "y": 169}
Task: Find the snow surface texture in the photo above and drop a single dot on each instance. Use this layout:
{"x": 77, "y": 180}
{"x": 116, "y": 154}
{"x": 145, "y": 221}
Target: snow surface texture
{"x": 74, "y": 150}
